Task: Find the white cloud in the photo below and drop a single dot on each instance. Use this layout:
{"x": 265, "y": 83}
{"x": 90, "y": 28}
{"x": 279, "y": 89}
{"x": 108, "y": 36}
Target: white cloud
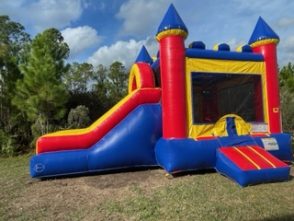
{"x": 41, "y": 14}
{"x": 141, "y": 17}
{"x": 286, "y": 47}
{"x": 260, "y": 6}
{"x": 123, "y": 51}
{"x": 80, "y": 39}
{"x": 288, "y": 44}
{"x": 286, "y": 22}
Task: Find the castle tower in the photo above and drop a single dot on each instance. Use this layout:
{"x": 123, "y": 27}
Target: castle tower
{"x": 171, "y": 35}
{"x": 144, "y": 56}
{"x": 264, "y": 41}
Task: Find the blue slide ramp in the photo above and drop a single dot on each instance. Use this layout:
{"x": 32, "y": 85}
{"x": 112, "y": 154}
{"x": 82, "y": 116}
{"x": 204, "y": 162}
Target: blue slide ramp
{"x": 129, "y": 144}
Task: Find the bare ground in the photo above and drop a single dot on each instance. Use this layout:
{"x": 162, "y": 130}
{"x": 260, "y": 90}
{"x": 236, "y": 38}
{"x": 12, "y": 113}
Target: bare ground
{"x": 65, "y": 198}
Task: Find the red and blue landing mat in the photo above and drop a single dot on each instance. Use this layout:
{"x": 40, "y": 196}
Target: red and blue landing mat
{"x": 249, "y": 165}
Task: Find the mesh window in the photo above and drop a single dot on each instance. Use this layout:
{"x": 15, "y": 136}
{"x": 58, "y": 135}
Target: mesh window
{"x": 215, "y": 95}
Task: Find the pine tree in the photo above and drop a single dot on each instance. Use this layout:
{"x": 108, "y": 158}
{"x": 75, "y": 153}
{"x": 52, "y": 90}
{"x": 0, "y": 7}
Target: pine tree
{"x": 14, "y": 45}
{"x": 79, "y": 77}
{"x": 41, "y": 95}
{"x": 117, "y": 81}
{"x": 100, "y": 88}
{"x": 14, "y": 42}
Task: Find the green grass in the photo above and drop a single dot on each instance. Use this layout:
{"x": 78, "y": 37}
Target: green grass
{"x": 13, "y": 176}
{"x": 207, "y": 196}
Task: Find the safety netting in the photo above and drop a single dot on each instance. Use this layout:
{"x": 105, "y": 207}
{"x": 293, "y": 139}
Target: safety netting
{"x": 217, "y": 94}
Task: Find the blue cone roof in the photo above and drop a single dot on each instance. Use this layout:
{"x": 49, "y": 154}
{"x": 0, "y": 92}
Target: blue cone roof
{"x": 262, "y": 31}
{"x": 171, "y": 20}
{"x": 144, "y": 56}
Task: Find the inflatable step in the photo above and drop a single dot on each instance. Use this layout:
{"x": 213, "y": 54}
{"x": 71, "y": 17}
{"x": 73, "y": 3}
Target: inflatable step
{"x": 249, "y": 165}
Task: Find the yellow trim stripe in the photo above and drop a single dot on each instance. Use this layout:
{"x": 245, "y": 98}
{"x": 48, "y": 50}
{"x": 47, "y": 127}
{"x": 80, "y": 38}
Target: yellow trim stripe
{"x": 169, "y": 32}
{"x": 247, "y": 157}
{"x": 264, "y": 42}
{"x": 263, "y": 157}
{"x": 134, "y": 76}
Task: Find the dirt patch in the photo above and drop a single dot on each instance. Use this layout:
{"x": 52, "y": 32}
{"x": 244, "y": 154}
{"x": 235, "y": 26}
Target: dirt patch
{"x": 64, "y": 198}
{"x": 124, "y": 179}
{"x": 292, "y": 172}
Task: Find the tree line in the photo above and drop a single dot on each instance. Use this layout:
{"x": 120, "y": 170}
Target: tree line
{"x": 41, "y": 92}
{"x": 286, "y": 77}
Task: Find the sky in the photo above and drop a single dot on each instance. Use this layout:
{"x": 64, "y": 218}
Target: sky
{"x": 103, "y": 31}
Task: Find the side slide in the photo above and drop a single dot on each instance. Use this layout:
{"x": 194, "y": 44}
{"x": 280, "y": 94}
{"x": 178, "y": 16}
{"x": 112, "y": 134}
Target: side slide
{"x": 130, "y": 143}
{"x": 124, "y": 136}
{"x": 85, "y": 138}
{"x": 249, "y": 165}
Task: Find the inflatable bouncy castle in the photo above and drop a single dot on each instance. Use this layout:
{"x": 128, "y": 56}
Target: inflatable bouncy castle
{"x": 189, "y": 109}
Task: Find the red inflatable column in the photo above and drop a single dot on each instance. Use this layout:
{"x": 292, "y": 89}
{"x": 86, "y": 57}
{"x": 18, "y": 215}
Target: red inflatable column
{"x": 172, "y": 69}
{"x": 171, "y": 35}
{"x": 272, "y": 84}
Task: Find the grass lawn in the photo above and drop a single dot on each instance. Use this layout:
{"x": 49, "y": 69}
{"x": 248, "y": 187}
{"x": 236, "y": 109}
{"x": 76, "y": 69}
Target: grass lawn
{"x": 141, "y": 195}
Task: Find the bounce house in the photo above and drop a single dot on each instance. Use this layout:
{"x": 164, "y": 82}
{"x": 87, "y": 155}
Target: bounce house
{"x": 189, "y": 109}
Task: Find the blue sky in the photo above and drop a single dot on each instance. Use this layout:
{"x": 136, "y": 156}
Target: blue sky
{"x": 102, "y": 31}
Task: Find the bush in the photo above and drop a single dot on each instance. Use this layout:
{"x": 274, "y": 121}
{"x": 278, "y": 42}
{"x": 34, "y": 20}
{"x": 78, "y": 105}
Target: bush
{"x": 287, "y": 106}
{"x": 7, "y": 143}
{"x": 78, "y": 117}
{"x": 40, "y": 127}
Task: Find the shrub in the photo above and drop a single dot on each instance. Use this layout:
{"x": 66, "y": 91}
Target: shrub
{"x": 287, "y": 106}
{"x": 78, "y": 117}
{"x": 7, "y": 143}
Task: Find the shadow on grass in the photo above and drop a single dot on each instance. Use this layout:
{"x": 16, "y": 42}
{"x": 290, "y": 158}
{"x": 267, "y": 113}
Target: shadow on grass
{"x": 193, "y": 172}
{"x": 102, "y": 172}
{"x": 286, "y": 217}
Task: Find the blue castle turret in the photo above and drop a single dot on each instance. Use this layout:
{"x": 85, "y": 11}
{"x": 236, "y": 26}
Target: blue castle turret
{"x": 144, "y": 56}
{"x": 262, "y": 32}
{"x": 171, "y": 22}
